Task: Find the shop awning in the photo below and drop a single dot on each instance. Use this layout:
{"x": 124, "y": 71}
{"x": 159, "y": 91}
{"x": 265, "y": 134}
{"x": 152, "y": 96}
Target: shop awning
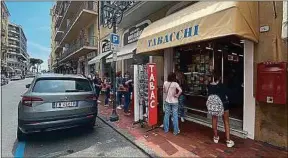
{"x": 285, "y": 20}
{"x": 99, "y": 57}
{"x": 125, "y": 52}
{"x": 9, "y": 69}
{"x": 201, "y": 21}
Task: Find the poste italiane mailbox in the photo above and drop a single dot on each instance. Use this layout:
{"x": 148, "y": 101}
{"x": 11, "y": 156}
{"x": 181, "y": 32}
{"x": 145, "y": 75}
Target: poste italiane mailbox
{"x": 272, "y": 82}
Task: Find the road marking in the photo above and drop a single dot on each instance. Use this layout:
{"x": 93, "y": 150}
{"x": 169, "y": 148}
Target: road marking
{"x": 19, "y": 153}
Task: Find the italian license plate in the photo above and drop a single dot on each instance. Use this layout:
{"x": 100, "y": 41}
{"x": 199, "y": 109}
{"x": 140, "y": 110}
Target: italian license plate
{"x": 64, "y": 104}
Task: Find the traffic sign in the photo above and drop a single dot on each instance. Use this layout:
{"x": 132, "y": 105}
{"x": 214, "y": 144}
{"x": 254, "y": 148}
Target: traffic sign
{"x": 115, "y": 39}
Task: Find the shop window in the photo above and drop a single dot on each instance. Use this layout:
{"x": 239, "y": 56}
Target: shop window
{"x": 199, "y": 61}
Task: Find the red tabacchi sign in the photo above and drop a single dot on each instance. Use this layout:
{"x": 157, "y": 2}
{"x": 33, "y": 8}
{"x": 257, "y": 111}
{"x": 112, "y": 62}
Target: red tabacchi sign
{"x": 152, "y": 94}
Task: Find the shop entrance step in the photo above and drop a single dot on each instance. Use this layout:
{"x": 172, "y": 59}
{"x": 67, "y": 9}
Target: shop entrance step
{"x": 234, "y": 130}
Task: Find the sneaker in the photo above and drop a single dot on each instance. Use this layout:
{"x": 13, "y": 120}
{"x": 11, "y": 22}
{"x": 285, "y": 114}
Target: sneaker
{"x": 162, "y": 126}
{"x": 216, "y": 139}
{"x": 182, "y": 119}
{"x": 98, "y": 101}
{"x": 106, "y": 105}
{"x": 127, "y": 113}
{"x": 177, "y": 132}
{"x": 172, "y": 119}
{"x": 122, "y": 106}
{"x": 119, "y": 107}
{"x": 230, "y": 143}
{"x": 110, "y": 100}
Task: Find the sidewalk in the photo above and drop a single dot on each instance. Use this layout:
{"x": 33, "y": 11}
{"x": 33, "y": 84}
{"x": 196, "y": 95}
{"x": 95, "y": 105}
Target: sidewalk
{"x": 194, "y": 140}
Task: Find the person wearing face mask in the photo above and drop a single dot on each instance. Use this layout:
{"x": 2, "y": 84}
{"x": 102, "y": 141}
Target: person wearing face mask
{"x": 127, "y": 82}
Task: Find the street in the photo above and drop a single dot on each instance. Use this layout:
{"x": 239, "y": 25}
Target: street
{"x": 103, "y": 141}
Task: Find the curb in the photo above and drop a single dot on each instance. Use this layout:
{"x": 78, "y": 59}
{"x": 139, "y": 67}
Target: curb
{"x": 129, "y": 137}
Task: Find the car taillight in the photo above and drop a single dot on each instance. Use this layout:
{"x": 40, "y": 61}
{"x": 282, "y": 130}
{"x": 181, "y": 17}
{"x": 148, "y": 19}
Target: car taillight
{"x": 27, "y": 101}
{"x": 92, "y": 97}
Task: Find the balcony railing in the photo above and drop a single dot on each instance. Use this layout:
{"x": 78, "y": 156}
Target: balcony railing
{"x": 88, "y": 5}
{"x": 3, "y": 32}
{"x": 79, "y": 43}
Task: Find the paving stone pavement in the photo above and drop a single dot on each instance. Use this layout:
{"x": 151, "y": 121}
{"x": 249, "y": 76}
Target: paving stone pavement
{"x": 194, "y": 140}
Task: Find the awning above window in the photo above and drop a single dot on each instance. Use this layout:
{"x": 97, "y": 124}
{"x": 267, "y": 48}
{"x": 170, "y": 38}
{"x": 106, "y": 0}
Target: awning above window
{"x": 125, "y": 52}
{"x": 201, "y": 21}
{"x": 285, "y": 20}
{"x": 99, "y": 57}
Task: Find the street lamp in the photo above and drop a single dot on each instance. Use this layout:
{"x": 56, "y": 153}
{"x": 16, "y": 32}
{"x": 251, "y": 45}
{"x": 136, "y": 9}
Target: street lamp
{"x": 112, "y": 15}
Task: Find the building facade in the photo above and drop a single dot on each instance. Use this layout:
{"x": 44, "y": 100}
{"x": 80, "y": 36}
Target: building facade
{"x": 225, "y": 37}
{"x": 74, "y": 35}
{"x": 17, "y": 56}
{"x": 4, "y": 37}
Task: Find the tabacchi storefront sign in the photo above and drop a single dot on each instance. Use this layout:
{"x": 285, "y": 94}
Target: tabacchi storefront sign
{"x": 152, "y": 94}
{"x": 174, "y": 36}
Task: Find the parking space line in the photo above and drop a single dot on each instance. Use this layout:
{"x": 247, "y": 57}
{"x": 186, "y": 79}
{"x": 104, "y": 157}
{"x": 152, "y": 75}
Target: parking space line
{"x": 19, "y": 153}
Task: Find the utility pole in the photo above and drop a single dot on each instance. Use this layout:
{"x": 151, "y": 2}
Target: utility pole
{"x": 112, "y": 15}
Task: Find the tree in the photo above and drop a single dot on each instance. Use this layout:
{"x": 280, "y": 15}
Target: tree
{"x": 35, "y": 63}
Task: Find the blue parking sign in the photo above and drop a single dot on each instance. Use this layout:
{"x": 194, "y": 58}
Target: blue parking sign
{"x": 114, "y": 38}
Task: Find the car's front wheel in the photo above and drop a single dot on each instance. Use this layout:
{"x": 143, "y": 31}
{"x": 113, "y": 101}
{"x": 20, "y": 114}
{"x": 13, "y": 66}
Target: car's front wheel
{"x": 20, "y": 135}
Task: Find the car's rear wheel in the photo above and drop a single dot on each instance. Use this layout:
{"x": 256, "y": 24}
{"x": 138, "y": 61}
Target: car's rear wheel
{"x": 20, "y": 135}
{"x": 91, "y": 124}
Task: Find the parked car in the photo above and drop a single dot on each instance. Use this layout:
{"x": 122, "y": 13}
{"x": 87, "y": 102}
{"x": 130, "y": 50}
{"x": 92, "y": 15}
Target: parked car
{"x": 4, "y": 80}
{"x": 15, "y": 77}
{"x": 56, "y": 101}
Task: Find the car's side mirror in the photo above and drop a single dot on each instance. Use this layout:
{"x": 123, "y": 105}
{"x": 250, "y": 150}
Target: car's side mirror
{"x": 28, "y": 85}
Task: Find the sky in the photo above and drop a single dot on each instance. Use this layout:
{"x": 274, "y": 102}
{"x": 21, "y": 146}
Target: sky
{"x": 34, "y": 17}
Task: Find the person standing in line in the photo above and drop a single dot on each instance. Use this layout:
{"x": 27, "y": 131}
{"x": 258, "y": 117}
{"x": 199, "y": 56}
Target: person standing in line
{"x": 127, "y": 82}
{"x": 218, "y": 105}
{"x": 119, "y": 88}
{"x": 98, "y": 85}
{"x": 171, "y": 102}
{"x": 107, "y": 87}
{"x": 180, "y": 77}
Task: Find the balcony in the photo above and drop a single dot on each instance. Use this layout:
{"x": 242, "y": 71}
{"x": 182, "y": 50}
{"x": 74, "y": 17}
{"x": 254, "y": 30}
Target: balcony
{"x": 58, "y": 35}
{"x": 3, "y": 32}
{"x": 58, "y": 20}
{"x": 86, "y": 13}
{"x": 78, "y": 48}
{"x": 14, "y": 45}
{"x": 69, "y": 9}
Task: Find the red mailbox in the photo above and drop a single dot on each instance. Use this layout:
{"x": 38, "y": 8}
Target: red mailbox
{"x": 272, "y": 82}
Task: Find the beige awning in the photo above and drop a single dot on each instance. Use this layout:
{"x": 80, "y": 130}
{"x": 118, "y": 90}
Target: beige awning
{"x": 99, "y": 57}
{"x": 201, "y": 21}
{"x": 125, "y": 52}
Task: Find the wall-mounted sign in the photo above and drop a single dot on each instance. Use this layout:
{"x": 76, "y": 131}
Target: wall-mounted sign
{"x": 152, "y": 94}
{"x": 264, "y": 28}
{"x": 90, "y": 55}
{"x": 106, "y": 46}
{"x": 131, "y": 35}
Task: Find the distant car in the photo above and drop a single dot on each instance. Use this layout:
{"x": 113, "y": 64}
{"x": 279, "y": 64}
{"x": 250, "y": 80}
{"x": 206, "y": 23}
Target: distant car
{"x": 15, "y": 77}
{"x": 30, "y": 75}
{"x": 56, "y": 101}
{"x": 4, "y": 80}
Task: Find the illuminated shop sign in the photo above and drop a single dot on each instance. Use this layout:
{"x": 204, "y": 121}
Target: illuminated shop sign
{"x": 170, "y": 37}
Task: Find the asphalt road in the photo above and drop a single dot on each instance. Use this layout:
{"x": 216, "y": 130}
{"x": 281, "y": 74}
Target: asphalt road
{"x": 102, "y": 141}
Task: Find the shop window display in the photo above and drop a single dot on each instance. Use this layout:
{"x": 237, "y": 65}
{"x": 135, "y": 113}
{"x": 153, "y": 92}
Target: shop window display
{"x": 198, "y": 61}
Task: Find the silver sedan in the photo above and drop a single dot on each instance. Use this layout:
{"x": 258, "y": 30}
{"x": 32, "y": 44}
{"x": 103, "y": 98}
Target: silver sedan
{"x": 56, "y": 101}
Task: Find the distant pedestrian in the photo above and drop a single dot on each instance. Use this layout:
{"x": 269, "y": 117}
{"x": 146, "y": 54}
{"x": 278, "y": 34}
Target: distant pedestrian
{"x": 107, "y": 89}
{"x": 98, "y": 86}
{"x": 128, "y": 89}
{"x": 218, "y": 105}
{"x": 120, "y": 89}
{"x": 171, "y": 102}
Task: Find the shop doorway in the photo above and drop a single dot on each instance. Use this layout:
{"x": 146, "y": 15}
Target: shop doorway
{"x": 198, "y": 61}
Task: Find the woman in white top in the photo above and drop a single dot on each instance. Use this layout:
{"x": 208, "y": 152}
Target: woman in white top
{"x": 171, "y": 102}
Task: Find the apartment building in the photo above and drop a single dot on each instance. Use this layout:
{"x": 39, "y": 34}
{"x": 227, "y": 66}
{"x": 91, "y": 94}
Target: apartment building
{"x": 4, "y": 36}
{"x": 17, "y": 56}
{"x": 74, "y": 35}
